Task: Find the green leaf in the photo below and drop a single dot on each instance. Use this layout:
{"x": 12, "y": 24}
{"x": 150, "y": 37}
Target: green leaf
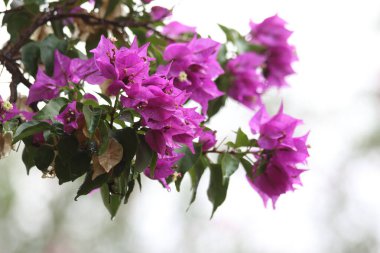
{"x": 106, "y": 98}
{"x": 44, "y": 157}
{"x": 144, "y": 155}
{"x": 230, "y": 163}
{"x": 217, "y": 190}
{"x": 223, "y": 83}
{"x": 29, "y": 128}
{"x": 27, "y": 157}
{"x": 153, "y": 164}
{"x": 239, "y": 41}
{"x": 51, "y": 109}
{"x": 67, "y": 146}
{"x": 215, "y": 105}
{"x": 111, "y": 201}
{"x": 17, "y": 22}
{"x": 196, "y": 173}
{"x": 58, "y": 26}
{"x": 248, "y": 167}
{"x": 104, "y": 135}
{"x": 89, "y": 185}
{"x": 30, "y": 54}
{"x": 47, "y": 49}
{"x": 93, "y": 118}
{"x": 139, "y": 181}
{"x": 128, "y": 139}
{"x": 241, "y": 139}
{"x": 131, "y": 186}
{"x": 69, "y": 170}
{"x": 222, "y": 55}
{"x": 231, "y": 34}
{"x": 187, "y": 161}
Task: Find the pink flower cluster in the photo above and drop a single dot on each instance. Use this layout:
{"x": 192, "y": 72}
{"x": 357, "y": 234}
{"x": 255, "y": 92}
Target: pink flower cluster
{"x": 281, "y": 155}
{"x": 255, "y": 73}
{"x": 159, "y": 98}
{"x": 194, "y": 68}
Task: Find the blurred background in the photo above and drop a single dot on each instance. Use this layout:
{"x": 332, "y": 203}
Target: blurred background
{"x": 336, "y": 92}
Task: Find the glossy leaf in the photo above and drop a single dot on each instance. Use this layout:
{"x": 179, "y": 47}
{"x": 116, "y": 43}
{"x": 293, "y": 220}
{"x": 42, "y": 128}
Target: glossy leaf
{"x": 196, "y": 173}
{"x": 67, "y": 146}
{"x": 248, "y": 167}
{"x": 241, "y": 139}
{"x": 90, "y": 184}
{"x": 69, "y": 170}
{"x": 131, "y": 186}
{"x": 153, "y": 164}
{"x": 144, "y": 155}
{"x": 111, "y": 200}
{"x": 217, "y": 190}
{"x": 17, "y": 22}
{"x": 44, "y": 157}
{"x": 187, "y": 162}
{"x": 51, "y": 109}
{"x": 30, "y": 55}
{"x": 230, "y": 163}
{"x": 47, "y": 48}
{"x": 29, "y": 128}
{"x": 27, "y": 157}
{"x": 92, "y": 118}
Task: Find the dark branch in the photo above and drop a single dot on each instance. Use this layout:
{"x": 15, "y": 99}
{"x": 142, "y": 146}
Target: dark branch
{"x": 14, "y": 70}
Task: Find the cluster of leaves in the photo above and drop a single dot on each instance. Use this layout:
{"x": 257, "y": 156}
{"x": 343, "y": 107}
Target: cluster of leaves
{"x": 112, "y": 158}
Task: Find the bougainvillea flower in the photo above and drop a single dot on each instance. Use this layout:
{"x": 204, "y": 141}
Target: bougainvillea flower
{"x": 159, "y": 13}
{"x": 125, "y": 66}
{"x": 277, "y": 169}
{"x": 194, "y": 67}
{"x": 273, "y": 35}
{"x": 279, "y": 65}
{"x": 160, "y": 105}
{"x": 105, "y": 56}
{"x": 8, "y": 111}
{"x": 164, "y": 168}
{"x": 274, "y": 131}
{"x": 46, "y": 87}
{"x": 175, "y": 29}
{"x": 207, "y": 139}
{"x": 270, "y": 32}
{"x": 69, "y": 117}
{"x": 247, "y": 84}
{"x": 85, "y": 70}
{"x": 278, "y": 178}
{"x": 89, "y": 96}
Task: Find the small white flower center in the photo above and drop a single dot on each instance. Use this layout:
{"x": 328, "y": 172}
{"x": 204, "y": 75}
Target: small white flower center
{"x": 182, "y": 76}
{"x": 7, "y": 106}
